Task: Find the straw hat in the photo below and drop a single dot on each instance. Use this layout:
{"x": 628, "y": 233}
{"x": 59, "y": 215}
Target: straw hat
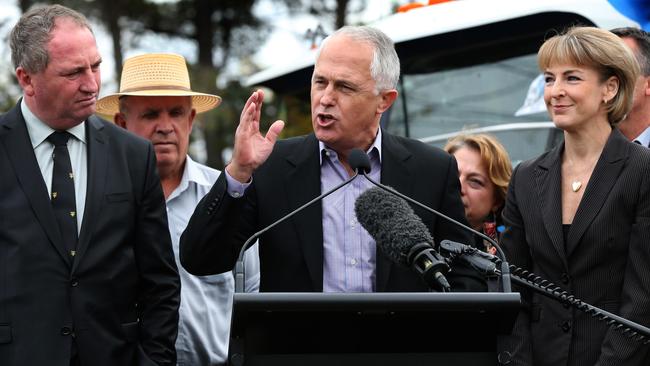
{"x": 156, "y": 74}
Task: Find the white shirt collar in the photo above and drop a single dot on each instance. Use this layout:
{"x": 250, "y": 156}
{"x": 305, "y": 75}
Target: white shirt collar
{"x": 191, "y": 173}
{"x": 644, "y": 137}
{"x": 39, "y": 131}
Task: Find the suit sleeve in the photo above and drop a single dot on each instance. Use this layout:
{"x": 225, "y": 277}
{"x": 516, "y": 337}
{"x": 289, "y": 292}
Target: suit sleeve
{"x": 462, "y": 278}
{"x": 618, "y": 349}
{"x": 217, "y": 230}
{"x": 518, "y": 345}
{"x": 159, "y": 288}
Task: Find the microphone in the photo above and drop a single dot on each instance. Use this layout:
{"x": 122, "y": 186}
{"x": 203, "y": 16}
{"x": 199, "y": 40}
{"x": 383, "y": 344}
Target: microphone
{"x": 481, "y": 261}
{"x": 505, "y": 270}
{"x": 356, "y": 163}
{"x": 359, "y": 161}
{"x": 401, "y": 236}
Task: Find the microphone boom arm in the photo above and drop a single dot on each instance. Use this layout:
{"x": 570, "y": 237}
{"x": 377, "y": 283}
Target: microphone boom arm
{"x": 239, "y": 265}
{"x": 505, "y": 271}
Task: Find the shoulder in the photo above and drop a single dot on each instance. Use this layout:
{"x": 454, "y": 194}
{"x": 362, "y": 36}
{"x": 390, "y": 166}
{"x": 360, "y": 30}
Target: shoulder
{"x": 201, "y": 173}
{"x": 116, "y": 133}
{"x": 414, "y": 150}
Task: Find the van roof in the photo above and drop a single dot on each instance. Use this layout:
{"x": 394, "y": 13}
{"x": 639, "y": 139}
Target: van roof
{"x": 455, "y": 16}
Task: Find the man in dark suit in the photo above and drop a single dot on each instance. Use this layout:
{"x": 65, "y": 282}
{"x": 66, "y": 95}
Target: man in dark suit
{"x": 324, "y": 248}
{"x": 636, "y": 125}
{"x": 87, "y": 273}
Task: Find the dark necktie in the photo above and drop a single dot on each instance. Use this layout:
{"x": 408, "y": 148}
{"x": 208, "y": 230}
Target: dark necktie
{"x": 63, "y": 200}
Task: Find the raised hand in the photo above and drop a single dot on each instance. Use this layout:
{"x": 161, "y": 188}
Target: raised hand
{"x": 251, "y": 148}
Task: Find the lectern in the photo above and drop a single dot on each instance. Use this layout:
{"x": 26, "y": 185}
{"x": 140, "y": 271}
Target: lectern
{"x": 369, "y": 328}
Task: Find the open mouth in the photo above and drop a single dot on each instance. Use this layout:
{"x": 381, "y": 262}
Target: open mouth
{"x": 325, "y": 119}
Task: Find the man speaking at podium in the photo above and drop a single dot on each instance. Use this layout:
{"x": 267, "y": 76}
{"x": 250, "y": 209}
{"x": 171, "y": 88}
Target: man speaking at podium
{"x": 324, "y": 248}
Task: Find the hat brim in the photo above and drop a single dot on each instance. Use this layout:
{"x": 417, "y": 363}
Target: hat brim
{"x": 201, "y": 102}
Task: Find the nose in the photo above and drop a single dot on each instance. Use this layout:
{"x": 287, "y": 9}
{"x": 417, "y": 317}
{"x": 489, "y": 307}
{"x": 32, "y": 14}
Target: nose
{"x": 463, "y": 184}
{"x": 328, "y": 98}
{"x": 164, "y": 125}
{"x": 557, "y": 90}
{"x": 90, "y": 82}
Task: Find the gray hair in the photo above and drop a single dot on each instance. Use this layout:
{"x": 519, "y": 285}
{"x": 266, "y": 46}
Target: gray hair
{"x": 385, "y": 67}
{"x": 29, "y": 37}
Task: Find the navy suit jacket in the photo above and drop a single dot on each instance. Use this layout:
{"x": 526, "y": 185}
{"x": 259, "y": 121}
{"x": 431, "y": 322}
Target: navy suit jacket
{"x": 291, "y": 254}
{"x": 119, "y": 297}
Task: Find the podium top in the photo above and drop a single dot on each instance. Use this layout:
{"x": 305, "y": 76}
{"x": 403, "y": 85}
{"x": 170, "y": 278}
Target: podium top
{"x": 387, "y": 301}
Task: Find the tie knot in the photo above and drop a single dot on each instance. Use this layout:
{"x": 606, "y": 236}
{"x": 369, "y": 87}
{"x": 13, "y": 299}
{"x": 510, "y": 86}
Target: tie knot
{"x": 59, "y": 138}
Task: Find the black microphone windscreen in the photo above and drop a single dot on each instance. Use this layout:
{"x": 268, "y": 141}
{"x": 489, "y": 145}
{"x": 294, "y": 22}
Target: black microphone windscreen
{"x": 392, "y": 223}
{"x": 359, "y": 160}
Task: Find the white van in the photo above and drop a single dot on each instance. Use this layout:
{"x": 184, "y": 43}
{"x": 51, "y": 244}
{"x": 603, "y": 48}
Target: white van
{"x": 467, "y": 66}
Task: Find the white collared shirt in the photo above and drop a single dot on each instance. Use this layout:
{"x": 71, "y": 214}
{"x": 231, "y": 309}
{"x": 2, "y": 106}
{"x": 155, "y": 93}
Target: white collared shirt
{"x": 206, "y": 301}
{"x": 644, "y": 138}
{"x": 38, "y": 133}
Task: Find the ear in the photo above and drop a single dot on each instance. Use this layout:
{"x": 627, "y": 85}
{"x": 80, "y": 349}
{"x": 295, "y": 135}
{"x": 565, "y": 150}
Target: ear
{"x": 611, "y": 87}
{"x": 387, "y": 99}
{"x": 646, "y": 86}
{"x": 119, "y": 120}
{"x": 25, "y": 81}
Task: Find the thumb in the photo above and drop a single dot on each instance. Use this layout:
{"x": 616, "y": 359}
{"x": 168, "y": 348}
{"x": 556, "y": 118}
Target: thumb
{"x": 274, "y": 131}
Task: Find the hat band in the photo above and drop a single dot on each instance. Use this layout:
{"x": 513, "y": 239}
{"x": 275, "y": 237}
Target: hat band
{"x": 160, "y": 87}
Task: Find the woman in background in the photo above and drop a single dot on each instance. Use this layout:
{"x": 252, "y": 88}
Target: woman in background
{"x": 484, "y": 170}
{"x": 579, "y": 215}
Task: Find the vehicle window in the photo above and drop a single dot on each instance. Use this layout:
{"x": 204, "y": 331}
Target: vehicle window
{"x": 478, "y": 96}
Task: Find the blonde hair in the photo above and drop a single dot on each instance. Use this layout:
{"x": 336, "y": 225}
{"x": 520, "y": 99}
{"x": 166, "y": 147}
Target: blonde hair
{"x": 601, "y": 50}
{"x": 493, "y": 155}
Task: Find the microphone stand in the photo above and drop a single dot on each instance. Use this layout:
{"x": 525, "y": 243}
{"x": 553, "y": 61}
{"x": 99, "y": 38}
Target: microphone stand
{"x": 505, "y": 270}
{"x": 239, "y": 265}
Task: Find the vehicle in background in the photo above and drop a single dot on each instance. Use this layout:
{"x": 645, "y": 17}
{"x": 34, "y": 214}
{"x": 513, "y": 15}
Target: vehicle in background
{"x": 467, "y": 66}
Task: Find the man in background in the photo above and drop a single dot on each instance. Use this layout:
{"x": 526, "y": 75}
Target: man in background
{"x": 87, "y": 273}
{"x": 156, "y": 102}
{"x": 636, "y": 126}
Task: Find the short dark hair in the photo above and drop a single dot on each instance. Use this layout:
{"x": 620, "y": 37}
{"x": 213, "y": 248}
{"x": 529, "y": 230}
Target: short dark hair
{"x": 642, "y": 40}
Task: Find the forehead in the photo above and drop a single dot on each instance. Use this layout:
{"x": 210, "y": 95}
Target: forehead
{"x": 158, "y": 102}
{"x": 71, "y": 42}
{"x": 345, "y": 57}
{"x": 631, "y": 43}
{"x": 468, "y": 158}
{"x": 562, "y": 67}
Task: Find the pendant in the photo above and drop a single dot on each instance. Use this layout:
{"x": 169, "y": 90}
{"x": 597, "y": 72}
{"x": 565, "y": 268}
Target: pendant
{"x": 576, "y": 185}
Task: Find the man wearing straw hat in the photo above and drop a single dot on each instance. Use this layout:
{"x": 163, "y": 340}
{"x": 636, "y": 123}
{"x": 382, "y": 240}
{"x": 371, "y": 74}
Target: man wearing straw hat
{"x": 87, "y": 271}
{"x": 156, "y": 102}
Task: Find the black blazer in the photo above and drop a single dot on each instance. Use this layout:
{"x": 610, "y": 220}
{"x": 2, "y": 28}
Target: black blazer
{"x": 291, "y": 255}
{"x": 120, "y": 295}
{"x": 605, "y": 261}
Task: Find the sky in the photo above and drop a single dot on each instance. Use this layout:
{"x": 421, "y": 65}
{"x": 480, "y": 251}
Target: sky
{"x": 287, "y": 35}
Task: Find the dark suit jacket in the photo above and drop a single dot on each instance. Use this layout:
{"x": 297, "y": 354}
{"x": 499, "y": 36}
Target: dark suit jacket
{"x": 120, "y": 295}
{"x": 291, "y": 255}
{"x": 605, "y": 262}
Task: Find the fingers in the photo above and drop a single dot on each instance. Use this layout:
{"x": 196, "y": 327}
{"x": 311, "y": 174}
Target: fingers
{"x": 252, "y": 109}
{"x": 274, "y": 131}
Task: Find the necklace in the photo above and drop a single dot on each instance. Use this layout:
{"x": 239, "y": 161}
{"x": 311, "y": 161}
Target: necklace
{"x": 576, "y": 185}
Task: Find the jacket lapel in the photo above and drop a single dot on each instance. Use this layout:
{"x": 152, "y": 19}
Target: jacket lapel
{"x": 603, "y": 178}
{"x": 305, "y": 168}
{"x": 97, "y": 151}
{"x": 15, "y": 137}
{"x": 549, "y": 193}
{"x": 394, "y": 173}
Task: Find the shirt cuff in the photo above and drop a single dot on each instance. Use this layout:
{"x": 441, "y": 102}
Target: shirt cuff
{"x": 234, "y": 187}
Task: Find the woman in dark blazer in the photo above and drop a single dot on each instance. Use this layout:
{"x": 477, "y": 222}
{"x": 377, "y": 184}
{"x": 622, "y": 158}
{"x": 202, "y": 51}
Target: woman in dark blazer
{"x": 579, "y": 215}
